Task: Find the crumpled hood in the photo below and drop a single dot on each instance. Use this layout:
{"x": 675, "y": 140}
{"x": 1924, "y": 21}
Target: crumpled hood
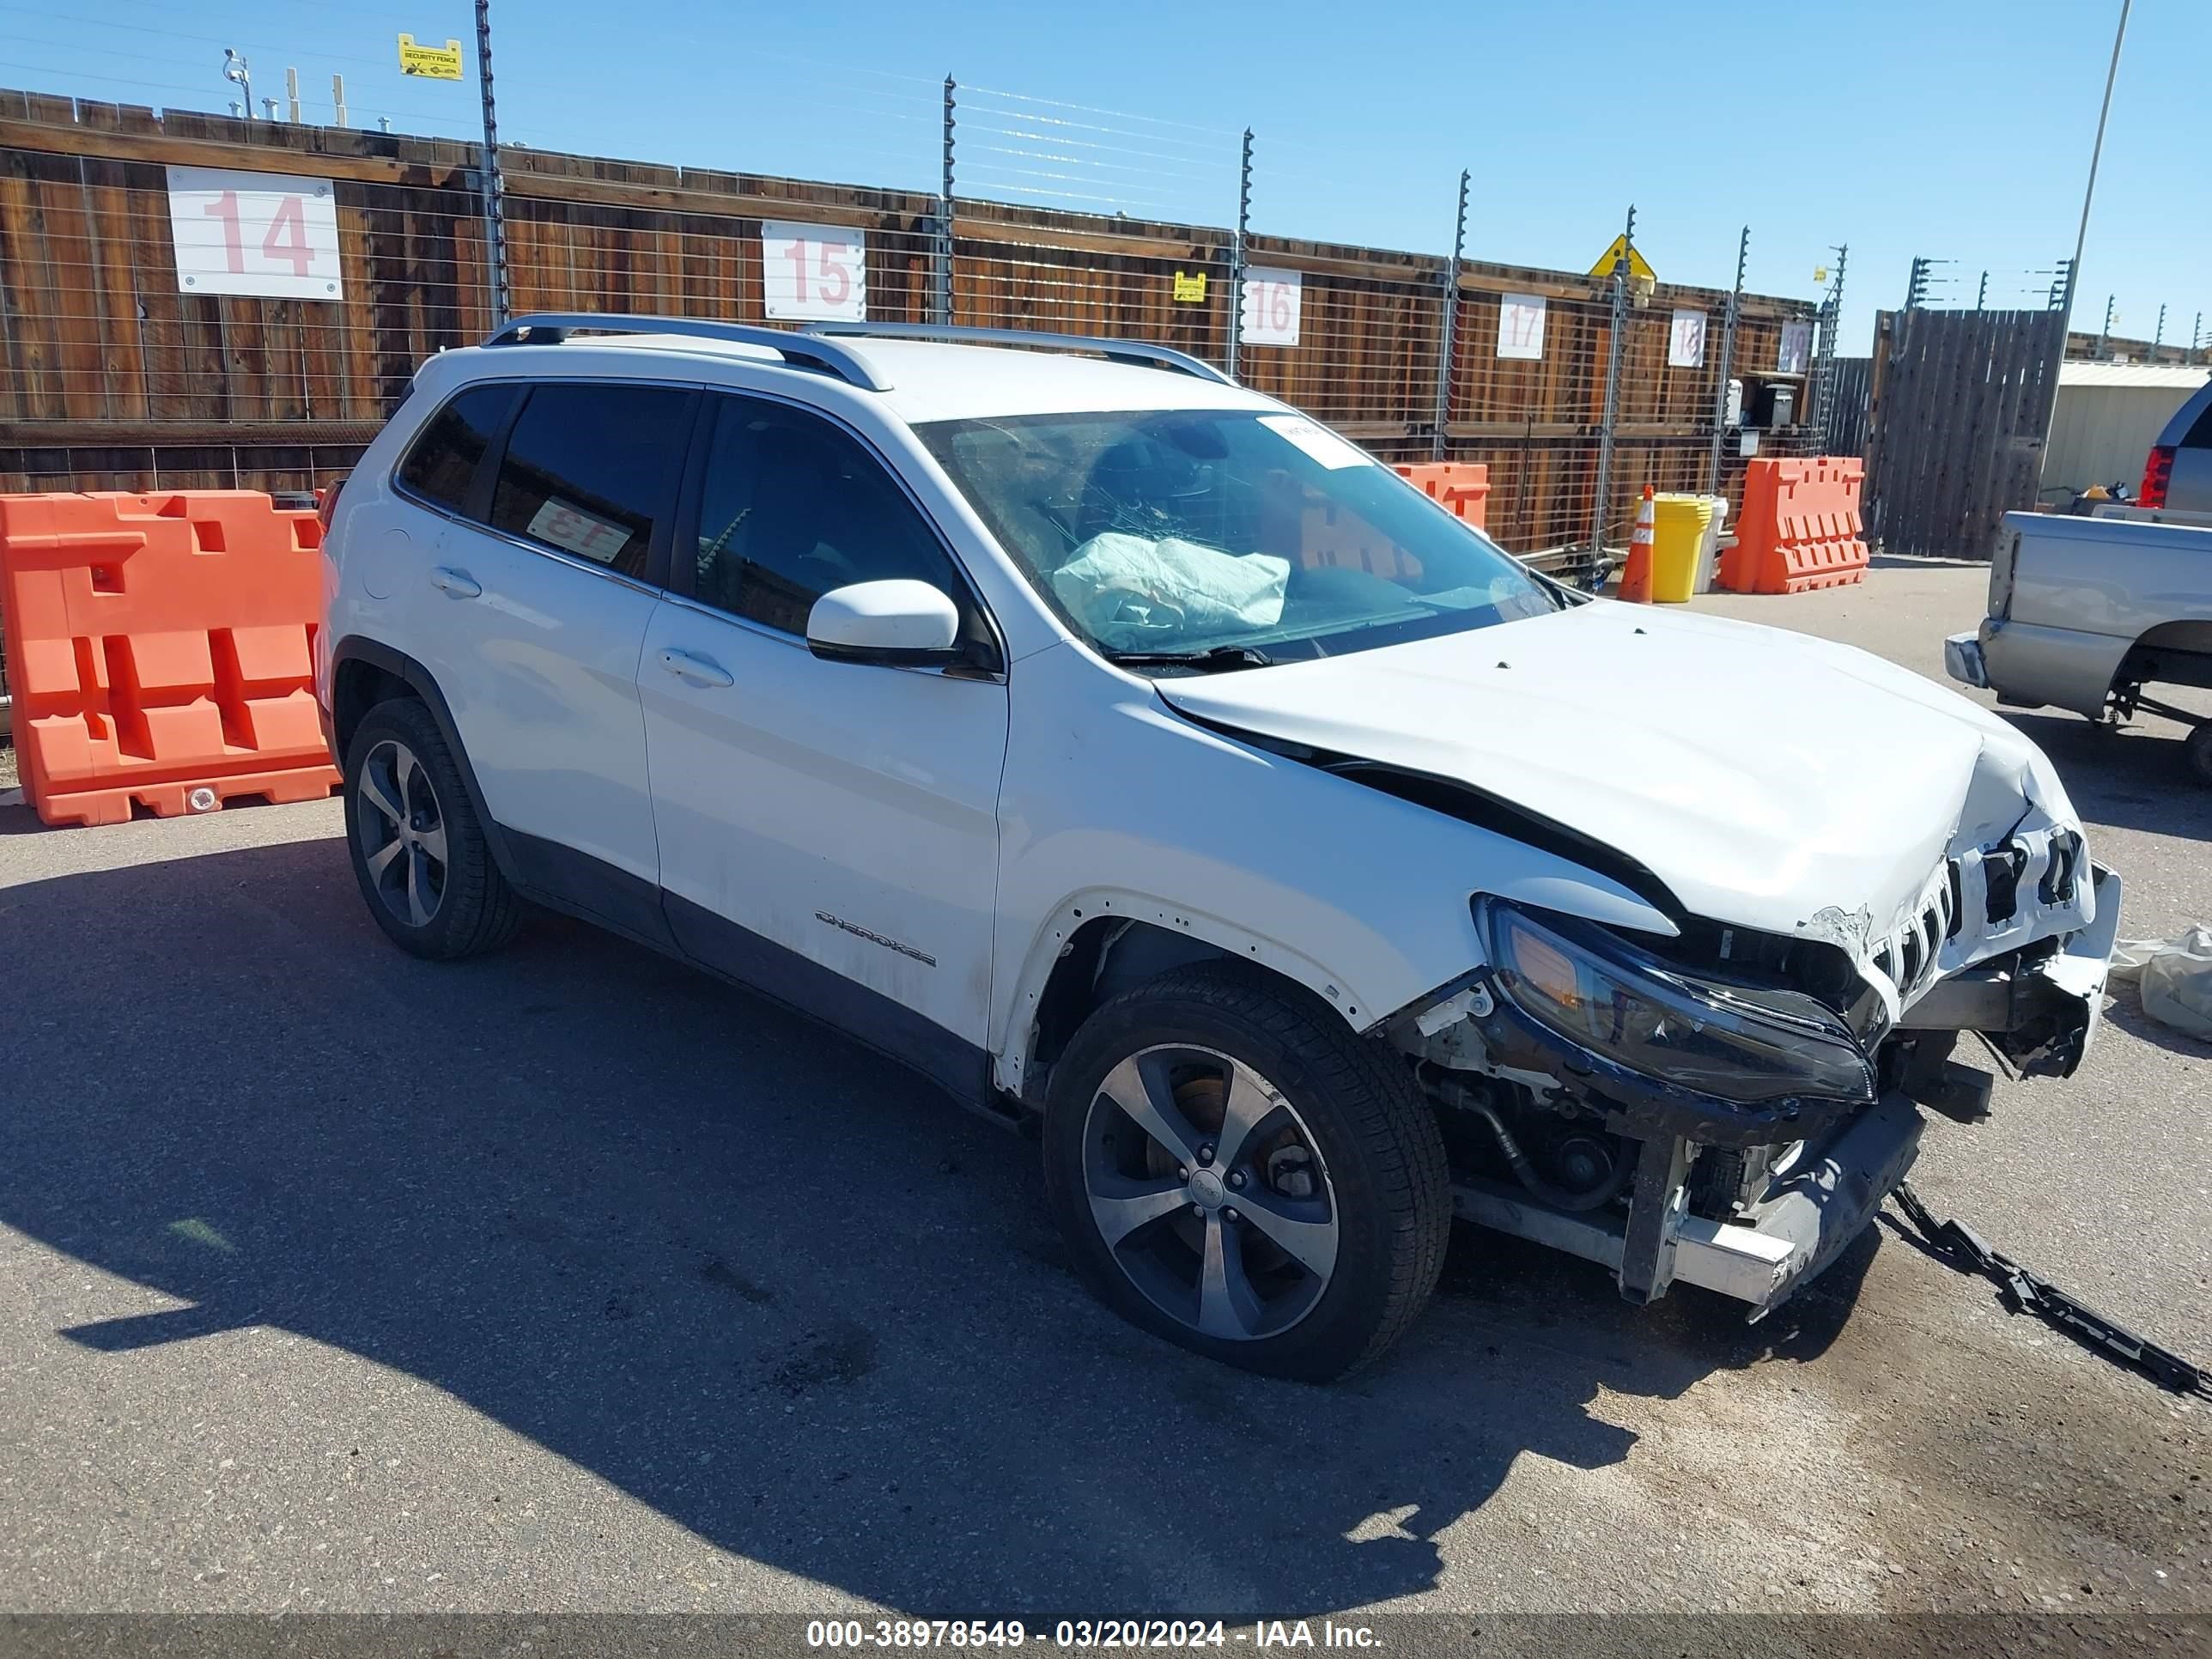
{"x": 1770, "y": 779}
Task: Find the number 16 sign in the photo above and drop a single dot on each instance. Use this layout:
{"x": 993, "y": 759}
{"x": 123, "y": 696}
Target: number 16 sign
{"x": 815, "y": 272}
{"x": 269, "y": 234}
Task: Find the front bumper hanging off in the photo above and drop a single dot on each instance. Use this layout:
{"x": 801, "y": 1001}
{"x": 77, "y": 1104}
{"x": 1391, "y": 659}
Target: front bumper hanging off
{"x": 2046, "y": 1017}
{"x": 1817, "y": 1207}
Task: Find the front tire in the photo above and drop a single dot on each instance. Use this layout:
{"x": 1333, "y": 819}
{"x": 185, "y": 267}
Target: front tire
{"x": 2196, "y": 748}
{"x": 419, "y": 850}
{"x": 1237, "y": 1171}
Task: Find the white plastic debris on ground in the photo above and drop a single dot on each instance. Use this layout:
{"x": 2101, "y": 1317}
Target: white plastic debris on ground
{"x": 2173, "y": 977}
{"x": 1137, "y": 594}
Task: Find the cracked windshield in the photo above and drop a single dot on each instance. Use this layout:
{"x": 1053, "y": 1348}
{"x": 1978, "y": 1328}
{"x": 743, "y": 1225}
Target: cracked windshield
{"x": 1226, "y": 538}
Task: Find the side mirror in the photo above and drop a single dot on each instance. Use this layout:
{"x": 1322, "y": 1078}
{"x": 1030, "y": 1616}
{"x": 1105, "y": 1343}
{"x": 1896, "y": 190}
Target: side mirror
{"x": 901, "y": 623}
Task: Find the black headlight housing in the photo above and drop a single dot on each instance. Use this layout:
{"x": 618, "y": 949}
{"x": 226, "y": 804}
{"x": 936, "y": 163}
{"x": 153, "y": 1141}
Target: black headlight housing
{"x": 1743, "y": 1043}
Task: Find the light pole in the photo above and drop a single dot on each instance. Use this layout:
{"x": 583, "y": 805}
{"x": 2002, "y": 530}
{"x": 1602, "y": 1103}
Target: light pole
{"x": 2096, "y": 151}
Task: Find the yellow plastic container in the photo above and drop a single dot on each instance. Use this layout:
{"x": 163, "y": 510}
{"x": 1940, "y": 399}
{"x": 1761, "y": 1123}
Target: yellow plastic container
{"x": 1679, "y": 523}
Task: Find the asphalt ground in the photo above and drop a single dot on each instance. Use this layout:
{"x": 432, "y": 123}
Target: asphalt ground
{"x": 568, "y": 1280}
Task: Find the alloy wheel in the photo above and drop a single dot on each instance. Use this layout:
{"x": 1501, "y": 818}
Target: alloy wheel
{"x": 1209, "y": 1192}
{"x": 403, "y": 833}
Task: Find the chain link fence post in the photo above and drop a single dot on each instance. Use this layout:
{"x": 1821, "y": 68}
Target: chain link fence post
{"x": 1823, "y": 349}
{"x": 1236, "y": 251}
{"x": 1728, "y": 365}
{"x": 1605, "y": 433}
{"x": 495, "y": 186}
{"x": 1447, "y": 334}
{"x": 945, "y": 215}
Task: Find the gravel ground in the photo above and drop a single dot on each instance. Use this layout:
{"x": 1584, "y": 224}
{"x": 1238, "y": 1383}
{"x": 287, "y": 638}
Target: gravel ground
{"x": 568, "y": 1280}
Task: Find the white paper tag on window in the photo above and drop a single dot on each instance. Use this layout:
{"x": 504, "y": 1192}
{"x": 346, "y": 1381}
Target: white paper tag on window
{"x": 559, "y": 525}
{"x": 1318, "y": 441}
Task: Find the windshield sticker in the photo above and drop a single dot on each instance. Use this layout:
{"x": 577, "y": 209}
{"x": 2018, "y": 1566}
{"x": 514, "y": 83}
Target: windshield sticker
{"x": 1318, "y": 441}
{"x": 576, "y": 530}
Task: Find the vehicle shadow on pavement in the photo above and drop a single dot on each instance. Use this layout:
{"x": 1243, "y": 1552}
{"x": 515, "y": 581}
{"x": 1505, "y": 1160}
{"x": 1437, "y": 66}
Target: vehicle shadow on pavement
{"x": 739, "y": 1268}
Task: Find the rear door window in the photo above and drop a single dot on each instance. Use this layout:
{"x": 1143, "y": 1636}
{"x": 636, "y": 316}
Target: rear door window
{"x": 443, "y": 460}
{"x": 591, "y": 470}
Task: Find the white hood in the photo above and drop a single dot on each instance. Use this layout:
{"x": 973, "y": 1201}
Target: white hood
{"x": 1770, "y": 780}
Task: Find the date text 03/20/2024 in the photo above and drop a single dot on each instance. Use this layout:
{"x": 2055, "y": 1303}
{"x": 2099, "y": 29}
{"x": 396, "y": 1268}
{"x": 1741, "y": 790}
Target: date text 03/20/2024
{"x": 1085, "y": 1633}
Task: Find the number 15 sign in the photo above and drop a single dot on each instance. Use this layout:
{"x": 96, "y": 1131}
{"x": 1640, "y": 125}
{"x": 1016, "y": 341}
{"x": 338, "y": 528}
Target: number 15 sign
{"x": 818, "y": 271}
{"x": 264, "y": 233}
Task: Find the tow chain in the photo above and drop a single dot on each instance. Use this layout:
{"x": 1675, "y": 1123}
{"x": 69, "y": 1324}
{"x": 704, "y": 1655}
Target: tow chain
{"x": 1955, "y": 1243}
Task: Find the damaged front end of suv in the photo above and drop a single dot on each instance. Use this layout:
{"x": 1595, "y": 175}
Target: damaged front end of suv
{"x": 1728, "y": 1107}
{"x": 1839, "y": 869}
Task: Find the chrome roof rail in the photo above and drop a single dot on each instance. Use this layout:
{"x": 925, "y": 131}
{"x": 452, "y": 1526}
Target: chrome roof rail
{"x": 1124, "y": 351}
{"x": 801, "y": 351}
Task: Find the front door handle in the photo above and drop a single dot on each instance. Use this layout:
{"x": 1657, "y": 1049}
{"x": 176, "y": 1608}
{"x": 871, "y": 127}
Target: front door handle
{"x": 459, "y": 583}
{"x": 700, "y": 671}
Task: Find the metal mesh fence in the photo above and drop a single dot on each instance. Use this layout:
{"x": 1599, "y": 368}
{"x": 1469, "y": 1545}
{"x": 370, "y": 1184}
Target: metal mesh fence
{"x": 114, "y": 376}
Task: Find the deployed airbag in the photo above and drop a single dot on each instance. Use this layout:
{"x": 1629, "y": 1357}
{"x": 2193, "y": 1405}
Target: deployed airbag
{"x": 1134, "y": 593}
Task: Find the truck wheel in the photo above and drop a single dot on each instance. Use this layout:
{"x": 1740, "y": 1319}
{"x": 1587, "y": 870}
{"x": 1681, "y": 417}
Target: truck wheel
{"x": 1235, "y": 1171}
{"x": 2198, "y": 749}
{"x": 418, "y": 851}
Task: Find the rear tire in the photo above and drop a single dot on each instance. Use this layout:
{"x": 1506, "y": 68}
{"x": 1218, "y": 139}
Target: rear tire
{"x": 2198, "y": 750}
{"x": 419, "y": 849}
{"x": 1246, "y": 1092}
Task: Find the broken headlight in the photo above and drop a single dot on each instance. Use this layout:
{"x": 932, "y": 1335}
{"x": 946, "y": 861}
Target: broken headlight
{"x": 1738, "y": 1041}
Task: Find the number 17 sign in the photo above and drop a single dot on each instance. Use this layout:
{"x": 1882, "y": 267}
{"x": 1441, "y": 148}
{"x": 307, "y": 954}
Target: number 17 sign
{"x": 268, "y": 234}
{"x": 814, "y": 271}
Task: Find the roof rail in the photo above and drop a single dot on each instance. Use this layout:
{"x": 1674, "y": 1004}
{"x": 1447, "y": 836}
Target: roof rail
{"x": 801, "y": 351}
{"x": 1125, "y": 351}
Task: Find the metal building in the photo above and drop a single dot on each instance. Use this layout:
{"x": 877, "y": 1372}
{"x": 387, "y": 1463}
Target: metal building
{"x": 2108, "y": 415}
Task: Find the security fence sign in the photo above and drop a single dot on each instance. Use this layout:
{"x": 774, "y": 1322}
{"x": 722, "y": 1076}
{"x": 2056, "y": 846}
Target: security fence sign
{"x": 1273, "y": 301}
{"x": 1190, "y": 288}
{"x": 1639, "y": 268}
{"x": 1686, "y": 341}
{"x": 269, "y": 235}
{"x": 1521, "y": 325}
{"x": 430, "y": 63}
{"x": 1796, "y": 346}
{"x": 814, "y": 272}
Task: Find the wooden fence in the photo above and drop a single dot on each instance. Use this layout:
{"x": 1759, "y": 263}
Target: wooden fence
{"x": 115, "y": 380}
{"x": 1850, "y": 399}
{"x": 1961, "y": 402}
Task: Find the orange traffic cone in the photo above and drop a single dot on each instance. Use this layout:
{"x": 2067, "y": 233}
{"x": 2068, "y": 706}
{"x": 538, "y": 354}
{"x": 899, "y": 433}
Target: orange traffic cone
{"x": 1636, "y": 579}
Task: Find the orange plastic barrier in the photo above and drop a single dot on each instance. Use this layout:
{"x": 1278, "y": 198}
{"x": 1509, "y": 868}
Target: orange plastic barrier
{"x": 1801, "y": 528}
{"x": 1462, "y": 486}
{"x": 161, "y": 651}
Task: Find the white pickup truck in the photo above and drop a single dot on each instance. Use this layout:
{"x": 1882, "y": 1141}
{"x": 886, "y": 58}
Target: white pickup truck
{"x": 2084, "y": 613}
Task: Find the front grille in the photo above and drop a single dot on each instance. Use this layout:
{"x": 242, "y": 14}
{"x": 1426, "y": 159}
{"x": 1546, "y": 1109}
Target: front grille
{"x": 2002, "y": 869}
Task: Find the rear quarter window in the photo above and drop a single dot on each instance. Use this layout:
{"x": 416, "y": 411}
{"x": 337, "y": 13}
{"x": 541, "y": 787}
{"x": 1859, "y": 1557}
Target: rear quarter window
{"x": 442, "y": 461}
{"x": 591, "y": 470}
{"x": 2199, "y": 435}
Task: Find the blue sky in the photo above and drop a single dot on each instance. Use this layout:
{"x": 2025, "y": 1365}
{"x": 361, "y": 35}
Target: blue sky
{"x": 1959, "y": 129}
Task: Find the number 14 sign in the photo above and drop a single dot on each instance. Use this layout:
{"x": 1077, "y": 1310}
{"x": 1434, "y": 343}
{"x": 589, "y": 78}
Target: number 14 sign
{"x": 268, "y": 234}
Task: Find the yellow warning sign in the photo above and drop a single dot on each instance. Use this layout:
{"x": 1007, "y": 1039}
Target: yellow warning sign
{"x": 1638, "y": 267}
{"x": 431, "y": 63}
{"x": 1190, "y": 290}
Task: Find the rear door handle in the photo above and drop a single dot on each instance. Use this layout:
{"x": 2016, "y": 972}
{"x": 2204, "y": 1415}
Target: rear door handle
{"x": 700, "y": 671}
{"x": 459, "y": 583}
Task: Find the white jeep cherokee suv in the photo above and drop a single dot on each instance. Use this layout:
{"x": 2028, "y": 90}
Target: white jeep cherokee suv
{"x": 1141, "y": 761}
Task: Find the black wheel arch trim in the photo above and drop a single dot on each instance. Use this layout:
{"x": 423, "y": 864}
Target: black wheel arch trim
{"x": 356, "y": 648}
